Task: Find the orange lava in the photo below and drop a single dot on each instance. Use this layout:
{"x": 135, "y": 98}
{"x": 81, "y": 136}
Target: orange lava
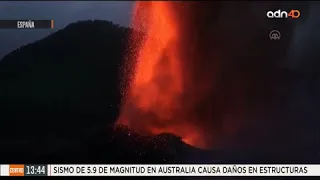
{"x": 165, "y": 92}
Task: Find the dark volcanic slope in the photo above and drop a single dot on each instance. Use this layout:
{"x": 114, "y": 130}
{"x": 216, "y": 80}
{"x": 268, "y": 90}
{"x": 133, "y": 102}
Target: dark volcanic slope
{"x": 62, "y": 85}
{"x": 62, "y": 81}
{"x": 59, "y": 96}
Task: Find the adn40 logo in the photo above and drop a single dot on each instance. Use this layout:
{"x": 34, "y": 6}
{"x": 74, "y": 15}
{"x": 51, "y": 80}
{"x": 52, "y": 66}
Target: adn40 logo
{"x": 294, "y": 14}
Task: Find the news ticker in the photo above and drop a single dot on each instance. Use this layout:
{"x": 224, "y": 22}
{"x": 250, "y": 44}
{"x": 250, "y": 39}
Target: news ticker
{"x": 160, "y": 170}
{"x": 26, "y": 24}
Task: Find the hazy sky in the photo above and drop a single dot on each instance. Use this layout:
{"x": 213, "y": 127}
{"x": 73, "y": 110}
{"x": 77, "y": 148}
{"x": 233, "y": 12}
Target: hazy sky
{"x": 63, "y": 13}
{"x": 119, "y": 12}
{"x": 306, "y": 42}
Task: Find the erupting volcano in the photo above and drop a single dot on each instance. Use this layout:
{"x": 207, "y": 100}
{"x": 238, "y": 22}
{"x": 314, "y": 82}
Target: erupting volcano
{"x": 172, "y": 87}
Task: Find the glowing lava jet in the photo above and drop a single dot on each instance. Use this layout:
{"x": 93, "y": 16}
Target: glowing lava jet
{"x": 170, "y": 84}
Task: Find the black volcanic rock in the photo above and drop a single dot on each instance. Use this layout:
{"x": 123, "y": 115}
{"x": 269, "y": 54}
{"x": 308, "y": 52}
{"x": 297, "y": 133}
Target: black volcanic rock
{"x": 63, "y": 80}
{"x": 60, "y": 96}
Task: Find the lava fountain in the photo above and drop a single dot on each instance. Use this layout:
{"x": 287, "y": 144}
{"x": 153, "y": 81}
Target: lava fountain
{"x": 173, "y": 84}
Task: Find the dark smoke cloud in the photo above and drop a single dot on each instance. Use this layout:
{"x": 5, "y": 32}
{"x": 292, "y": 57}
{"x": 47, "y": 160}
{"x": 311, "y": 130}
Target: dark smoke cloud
{"x": 233, "y": 62}
{"x": 281, "y": 79}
